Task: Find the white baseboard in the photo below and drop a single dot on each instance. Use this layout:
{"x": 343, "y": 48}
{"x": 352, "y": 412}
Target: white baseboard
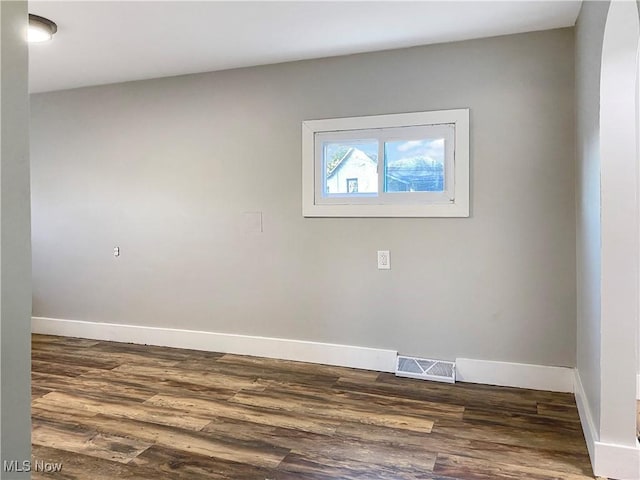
{"x": 285, "y": 349}
{"x": 536, "y": 377}
{"x": 608, "y": 460}
{"x": 521, "y": 375}
{"x": 586, "y": 418}
{"x": 616, "y": 461}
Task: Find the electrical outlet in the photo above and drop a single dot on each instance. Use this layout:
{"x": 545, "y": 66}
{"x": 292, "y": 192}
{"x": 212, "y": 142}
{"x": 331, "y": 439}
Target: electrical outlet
{"x": 116, "y": 251}
{"x": 384, "y": 261}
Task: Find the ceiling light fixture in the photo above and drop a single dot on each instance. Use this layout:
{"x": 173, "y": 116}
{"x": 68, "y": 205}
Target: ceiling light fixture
{"x": 40, "y": 29}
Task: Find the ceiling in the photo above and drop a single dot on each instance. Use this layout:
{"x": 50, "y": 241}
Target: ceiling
{"x": 108, "y": 42}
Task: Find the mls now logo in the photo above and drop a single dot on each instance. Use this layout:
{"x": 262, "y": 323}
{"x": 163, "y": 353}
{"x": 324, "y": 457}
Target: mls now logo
{"x": 16, "y": 466}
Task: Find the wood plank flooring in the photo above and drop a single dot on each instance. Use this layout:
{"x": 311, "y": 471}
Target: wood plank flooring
{"x": 118, "y": 411}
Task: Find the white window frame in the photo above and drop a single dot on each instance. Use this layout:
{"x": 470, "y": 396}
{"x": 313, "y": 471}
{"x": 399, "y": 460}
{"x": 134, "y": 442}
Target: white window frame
{"x": 453, "y": 202}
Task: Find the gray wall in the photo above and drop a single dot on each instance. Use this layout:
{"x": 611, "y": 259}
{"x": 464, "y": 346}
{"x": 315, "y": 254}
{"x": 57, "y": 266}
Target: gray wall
{"x": 165, "y": 169}
{"x": 15, "y": 252}
{"x": 589, "y": 33}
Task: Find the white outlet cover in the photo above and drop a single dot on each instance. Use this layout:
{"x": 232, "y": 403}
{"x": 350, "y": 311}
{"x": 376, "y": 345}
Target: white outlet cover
{"x": 384, "y": 260}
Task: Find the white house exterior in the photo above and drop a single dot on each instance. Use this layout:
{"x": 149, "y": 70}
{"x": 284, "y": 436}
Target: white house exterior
{"x": 356, "y": 172}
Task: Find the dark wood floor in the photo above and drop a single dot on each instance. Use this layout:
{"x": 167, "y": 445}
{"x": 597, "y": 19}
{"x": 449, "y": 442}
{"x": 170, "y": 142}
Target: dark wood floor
{"x": 119, "y": 411}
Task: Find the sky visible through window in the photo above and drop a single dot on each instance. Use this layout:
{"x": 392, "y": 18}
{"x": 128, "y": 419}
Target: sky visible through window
{"x": 428, "y": 149}
{"x": 414, "y": 165}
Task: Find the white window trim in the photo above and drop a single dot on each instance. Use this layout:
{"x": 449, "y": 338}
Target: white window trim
{"x": 459, "y": 207}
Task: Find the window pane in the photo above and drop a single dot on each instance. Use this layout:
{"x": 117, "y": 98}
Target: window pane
{"x": 414, "y": 165}
{"x": 350, "y": 168}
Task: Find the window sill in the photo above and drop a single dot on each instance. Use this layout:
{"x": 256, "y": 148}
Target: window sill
{"x": 458, "y": 209}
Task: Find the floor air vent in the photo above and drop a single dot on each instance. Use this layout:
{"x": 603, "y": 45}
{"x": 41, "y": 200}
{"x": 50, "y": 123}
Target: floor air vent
{"x": 424, "y": 369}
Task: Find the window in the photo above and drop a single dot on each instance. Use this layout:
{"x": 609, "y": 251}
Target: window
{"x": 401, "y": 165}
